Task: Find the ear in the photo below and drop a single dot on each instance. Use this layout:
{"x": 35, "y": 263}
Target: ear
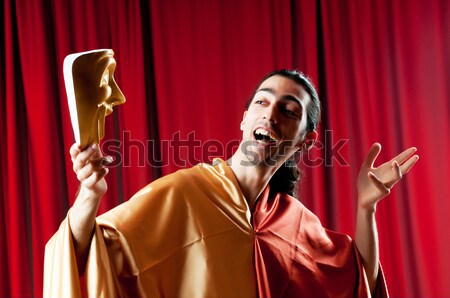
{"x": 243, "y": 120}
{"x": 308, "y": 141}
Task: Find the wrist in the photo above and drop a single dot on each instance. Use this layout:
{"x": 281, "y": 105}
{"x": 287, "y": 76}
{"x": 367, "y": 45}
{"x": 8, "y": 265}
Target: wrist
{"x": 91, "y": 193}
{"x": 87, "y": 199}
{"x": 366, "y": 211}
{"x": 366, "y": 203}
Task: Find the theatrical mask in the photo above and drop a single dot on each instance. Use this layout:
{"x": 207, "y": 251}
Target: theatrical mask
{"x": 91, "y": 92}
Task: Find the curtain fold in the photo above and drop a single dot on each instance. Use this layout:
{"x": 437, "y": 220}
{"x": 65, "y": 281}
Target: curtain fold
{"x": 16, "y": 239}
{"x": 187, "y": 68}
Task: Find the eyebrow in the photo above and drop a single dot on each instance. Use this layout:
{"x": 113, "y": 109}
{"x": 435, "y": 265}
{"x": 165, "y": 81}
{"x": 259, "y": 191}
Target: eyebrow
{"x": 286, "y": 97}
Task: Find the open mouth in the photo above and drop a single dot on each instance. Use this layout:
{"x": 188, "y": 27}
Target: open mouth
{"x": 264, "y": 136}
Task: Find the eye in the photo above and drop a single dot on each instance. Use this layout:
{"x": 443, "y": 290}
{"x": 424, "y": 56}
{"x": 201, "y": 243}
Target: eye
{"x": 259, "y": 100}
{"x": 291, "y": 113}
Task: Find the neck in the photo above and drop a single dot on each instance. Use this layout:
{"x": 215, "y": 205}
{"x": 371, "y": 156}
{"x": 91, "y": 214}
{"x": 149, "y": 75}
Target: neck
{"x": 252, "y": 179}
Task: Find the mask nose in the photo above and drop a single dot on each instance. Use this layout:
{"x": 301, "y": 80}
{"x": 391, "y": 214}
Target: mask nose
{"x": 116, "y": 98}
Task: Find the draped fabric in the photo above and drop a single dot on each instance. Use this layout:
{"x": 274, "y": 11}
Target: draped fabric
{"x": 185, "y": 235}
{"x": 296, "y": 257}
{"x": 186, "y": 69}
{"x": 190, "y": 234}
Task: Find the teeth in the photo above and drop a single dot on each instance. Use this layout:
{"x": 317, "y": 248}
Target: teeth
{"x": 262, "y": 132}
{"x": 266, "y": 133}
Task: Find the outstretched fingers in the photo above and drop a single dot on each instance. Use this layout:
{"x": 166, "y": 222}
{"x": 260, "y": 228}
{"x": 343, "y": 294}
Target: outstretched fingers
{"x": 408, "y": 164}
{"x": 404, "y": 156}
{"x": 397, "y": 173}
{"x": 406, "y": 159}
{"x": 383, "y": 189}
{"x": 372, "y": 155}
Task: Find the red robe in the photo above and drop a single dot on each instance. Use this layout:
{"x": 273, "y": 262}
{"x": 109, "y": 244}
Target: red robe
{"x": 296, "y": 257}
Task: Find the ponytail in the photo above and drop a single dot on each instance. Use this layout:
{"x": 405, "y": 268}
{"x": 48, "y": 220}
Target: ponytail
{"x": 285, "y": 179}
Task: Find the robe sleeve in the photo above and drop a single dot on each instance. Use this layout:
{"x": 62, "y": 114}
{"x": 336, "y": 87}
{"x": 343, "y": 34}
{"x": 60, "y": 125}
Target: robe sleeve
{"x": 61, "y": 277}
{"x": 60, "y": 265}
{"x": 381, "y": 290}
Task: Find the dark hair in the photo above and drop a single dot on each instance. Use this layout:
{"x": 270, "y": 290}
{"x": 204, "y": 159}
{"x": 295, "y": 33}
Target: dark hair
{"x": 286, "y": 178}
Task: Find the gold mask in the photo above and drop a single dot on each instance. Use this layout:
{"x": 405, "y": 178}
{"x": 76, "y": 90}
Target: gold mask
{"x": 92, "y": 93}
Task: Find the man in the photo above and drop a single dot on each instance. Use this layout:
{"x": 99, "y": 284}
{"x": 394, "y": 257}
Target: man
{"x": 226, "y": 230}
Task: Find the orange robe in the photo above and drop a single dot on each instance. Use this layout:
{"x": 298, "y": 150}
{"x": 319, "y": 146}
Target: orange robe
{"x": 190, "y": 234}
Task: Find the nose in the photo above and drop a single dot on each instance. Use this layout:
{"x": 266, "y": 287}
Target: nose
{"x": 117, "y": 97}
{"x": 271, "y": 114}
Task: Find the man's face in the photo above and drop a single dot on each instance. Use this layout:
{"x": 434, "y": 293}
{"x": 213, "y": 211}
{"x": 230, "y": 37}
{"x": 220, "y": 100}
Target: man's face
{"x": 275, "y": 123}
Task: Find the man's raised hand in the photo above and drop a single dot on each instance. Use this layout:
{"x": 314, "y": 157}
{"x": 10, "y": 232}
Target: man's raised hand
{"x": 90, "y": 167}
{"x": 376, "y": 183}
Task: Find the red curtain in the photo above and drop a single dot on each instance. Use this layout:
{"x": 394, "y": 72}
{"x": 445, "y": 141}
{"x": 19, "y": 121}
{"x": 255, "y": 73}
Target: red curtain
{"x": 187, "y": 68}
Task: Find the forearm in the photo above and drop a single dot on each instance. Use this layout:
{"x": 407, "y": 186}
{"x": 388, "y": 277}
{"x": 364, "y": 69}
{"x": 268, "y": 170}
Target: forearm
{"x": 82, "y": 220}
{"x": 90, "y": 167}
{"x": 366, "y": 239}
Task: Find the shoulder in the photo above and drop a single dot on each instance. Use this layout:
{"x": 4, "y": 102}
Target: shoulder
{"x": 178, "y": 195}
{"x": 160, "y": 198}
{"x": 179, "y": 180}
{"x": 173, "y": 190}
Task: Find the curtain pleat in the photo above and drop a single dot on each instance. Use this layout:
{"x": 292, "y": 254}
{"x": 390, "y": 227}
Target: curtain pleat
{"x": 187, "y": 68}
